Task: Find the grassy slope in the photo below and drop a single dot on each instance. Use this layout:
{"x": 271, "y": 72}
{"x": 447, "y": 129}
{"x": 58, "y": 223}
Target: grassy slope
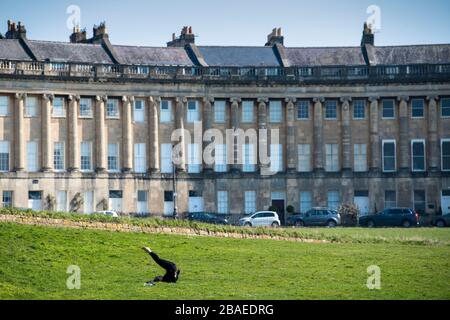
{"x": 33, "y": 262}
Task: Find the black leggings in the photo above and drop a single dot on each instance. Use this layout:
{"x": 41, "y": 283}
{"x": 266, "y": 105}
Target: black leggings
{"x": 170, "y": 267}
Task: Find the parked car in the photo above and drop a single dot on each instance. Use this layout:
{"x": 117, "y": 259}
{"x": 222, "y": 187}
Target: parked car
{"x": 207, "y": 218}
{"x": 109, "y": 213}
{"x": 392, "y": 217}
{"x": 316, "y": 217}
{"x": 442, "y": 221}
{"x": 261, "y": 219}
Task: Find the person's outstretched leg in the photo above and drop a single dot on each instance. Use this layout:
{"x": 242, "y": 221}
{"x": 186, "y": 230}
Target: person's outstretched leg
{"x": 166, "y": 265}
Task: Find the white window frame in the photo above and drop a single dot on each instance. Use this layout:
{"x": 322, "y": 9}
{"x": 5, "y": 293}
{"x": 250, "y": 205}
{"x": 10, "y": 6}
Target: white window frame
{"x": 31, "y": 107}
{"x": 354, "y": 109}
{"x": 395, "y": 154}
{"x": 89, "y": 145}
{"x": 4, "y": 106}
{"x": 140, "y": 158}
{"x": 220, "y": 109}
{"x": 327, "y": 102}
{"x": 332, "y": 158}
{"x": 6, "y": 148}
{"x": 192, "y": 115}
{"x": 11, "y": 197}
{"x": 59, "y": 111}
{"x": 110, "y": 114}
{"x": 275, "y": 111}
{"x": 220, "y": 158}
{"x": 248, "y": 107}
{"x": 299, "y": 105}
{"x": 166, "y": 159}
{"x": 412, "y": 108}
{"x": 442, "y": 108}
{"x": 87, "y": 210}
{"x": 250, "y": 202}
{"x": 393, "y": 109}
{"x": 142, "y": 202}
{"x": 304, "y": 158}
{"x": 58, "y": 201}
{"x": 442, "y": 155}
{"x": 303, "y": 201}
{"x": 63, "y": 156}
{"x": 194, "y": 162}
{"x": 276, "y": 158}
{"x": 165, "y": 115}
{"x": 139, "y": 114}
{"x": 424, "y": 155}
{"x": 32, "y": 157}
{"x": 222, "y": 202}
{"x": 112, "y": 155}
{"x": 87, "y": 112}
{"x": 360, "y": 157}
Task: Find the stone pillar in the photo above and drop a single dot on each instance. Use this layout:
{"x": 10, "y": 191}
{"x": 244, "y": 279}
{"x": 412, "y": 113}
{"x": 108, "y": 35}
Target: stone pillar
{"x": 263, "y": 148}
{"x": 346, "y": 133}
{"x": 404, "y": 150}
{"x": 235, "y": 124}
{"x": 318, "y": 134}
{"x": 153, "y": 125}
{"x": 433, "y": 142}
{"x": 19, "y": 139}
{"x": 127, "y": 149}
{"x": 46, "y": 122}
{"x": 291, "y": 149}
{"x": 180, "y": 114}
{"x": 375, "y": 151}
{"x": 207, "y": 125}
{"x": 100, "y": 134}
{"x": 74, "y": 143}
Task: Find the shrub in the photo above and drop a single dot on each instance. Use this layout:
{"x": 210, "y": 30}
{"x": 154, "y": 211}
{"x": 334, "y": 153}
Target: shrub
{"x": 349, "y": 214}
{"x": 290, "y": 209}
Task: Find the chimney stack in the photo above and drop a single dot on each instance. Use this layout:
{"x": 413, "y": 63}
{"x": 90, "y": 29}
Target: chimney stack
{"x": 186, "y": 37}
{"x": 78, "y": 36}
{"x": 368, "y": 36}
{"x": 99, "y": 33}
{"x": 275, "y": 37}
{"x": 16, "y": 31}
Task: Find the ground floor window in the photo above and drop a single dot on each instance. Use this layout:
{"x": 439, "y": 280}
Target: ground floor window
{"x": 222, "y": 202}
{"x": 61, "y": 201}
{"x": 7, "y": 199}
{"x": 250, "y": 202}
{"x": 88, "y": 202}
{"x": 305, "y": 201}
{"x": 168, "y": 203}
{"x": 35, "y": 200}
{"x": 115, "y": 200}
{"x": 142, "y": 201}
{"x": 333, "y": 200}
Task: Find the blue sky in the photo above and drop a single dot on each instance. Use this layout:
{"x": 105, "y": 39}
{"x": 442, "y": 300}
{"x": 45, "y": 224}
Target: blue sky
{"x": 237, "y": 22}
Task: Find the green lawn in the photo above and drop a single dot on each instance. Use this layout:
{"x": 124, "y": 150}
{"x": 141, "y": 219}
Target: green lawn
{"x": 33, "y": 263}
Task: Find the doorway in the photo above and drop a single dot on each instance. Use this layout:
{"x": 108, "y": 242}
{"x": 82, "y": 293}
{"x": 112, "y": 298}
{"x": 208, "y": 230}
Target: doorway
{"x": 279, "y": 202}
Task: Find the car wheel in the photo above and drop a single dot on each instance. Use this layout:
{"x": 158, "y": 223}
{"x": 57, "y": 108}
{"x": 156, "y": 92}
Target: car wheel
{"x": 247, "y": 224}
{"x": 331, "y": 224}
{"x": 440, "y": 223}
{"x": 406, "y": 224}
{"x": 371, "y": 224}
{"x": 275, "y": 225}
{"x": 299, "y": 223}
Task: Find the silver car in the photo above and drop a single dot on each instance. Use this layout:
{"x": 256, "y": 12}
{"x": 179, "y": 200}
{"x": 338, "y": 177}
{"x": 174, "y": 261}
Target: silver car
{"x": 261, "y": 219}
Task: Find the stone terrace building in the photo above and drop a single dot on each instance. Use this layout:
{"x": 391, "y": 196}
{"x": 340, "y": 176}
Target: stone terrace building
{"x": 88, "y": 124}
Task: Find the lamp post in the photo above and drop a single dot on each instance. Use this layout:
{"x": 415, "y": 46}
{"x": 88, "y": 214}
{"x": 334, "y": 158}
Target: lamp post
{"x": 174, "y": 183}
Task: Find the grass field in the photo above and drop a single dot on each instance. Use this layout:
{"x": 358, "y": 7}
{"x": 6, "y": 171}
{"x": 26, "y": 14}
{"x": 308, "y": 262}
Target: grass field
{"x": 34, "y": 260}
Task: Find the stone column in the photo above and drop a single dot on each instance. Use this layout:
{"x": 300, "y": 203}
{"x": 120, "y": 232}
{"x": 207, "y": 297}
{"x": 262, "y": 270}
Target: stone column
{"x": 375, "y": 151}
{"x": 153, "y": 125}
{"x": 207, "y": 125}
{"x": 100, "y": 133}
{"x": 19, "y": 139}
{"x": 291, "y": 149}
{"x": 404, "y": 143}
{"x": 433, "y": 142}
{"x": 235, "y": 124}
{"x": 346, "y": 133}
{"x": 318, "y": 134}
{"x": 127, "y": 149}
{"x": 263, "y": 148}
{"x": 180, "y": 114}
{"x": 46, "y": 122}
{"x": 74, "y": 143}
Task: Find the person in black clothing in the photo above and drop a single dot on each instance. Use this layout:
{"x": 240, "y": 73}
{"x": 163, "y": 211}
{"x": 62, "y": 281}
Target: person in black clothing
{"x": 172, "y": 272}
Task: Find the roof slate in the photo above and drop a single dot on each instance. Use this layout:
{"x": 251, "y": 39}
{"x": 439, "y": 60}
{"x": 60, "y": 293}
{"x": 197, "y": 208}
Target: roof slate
{"x": 239, "y": 56}
{"x": 153, "y": 56}
{"x": 11, "y": 49}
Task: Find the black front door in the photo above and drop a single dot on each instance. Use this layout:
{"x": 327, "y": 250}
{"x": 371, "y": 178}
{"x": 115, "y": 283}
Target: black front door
{"x": 279, "y": 204}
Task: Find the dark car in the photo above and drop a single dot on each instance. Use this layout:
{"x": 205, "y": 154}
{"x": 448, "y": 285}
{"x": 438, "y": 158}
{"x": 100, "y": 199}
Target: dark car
{"x": 442, "y": 221}
{"x": 392, "y": 217}
{"x": 207, "y": 218}
{"x": 316, "y": 217}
